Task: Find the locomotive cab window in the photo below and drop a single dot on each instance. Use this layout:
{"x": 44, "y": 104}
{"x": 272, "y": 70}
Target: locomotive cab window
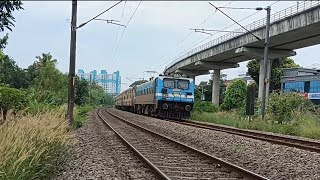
{"x": 168, "y": 83}
{"x": 183, "y": 84}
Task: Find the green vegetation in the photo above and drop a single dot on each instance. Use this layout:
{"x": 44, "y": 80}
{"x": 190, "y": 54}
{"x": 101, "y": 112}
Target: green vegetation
{"x": 286, "y": 114}
{"x": 6, "y": 9}
{"x": 207, "y": 90}
{"x": 11, "y": 98}
{"x": 235, "y": 95}
{"x": 34, "y": 135}
{"x": 205, "y": 106}
{"x": 276, "y": 71}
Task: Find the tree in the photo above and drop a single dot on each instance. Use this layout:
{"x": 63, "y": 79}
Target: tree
{"x": 96, "y": 94}
{"x": 11, "y": 98}
{"x": 82, "y": 91}
{"x": 11, "y": 73}
{"x": 48, "y": 80}
{"x": 4, "y": 42}
{"x": 207, "y": 90}
{"x": 6, "y": 9}
{"x": 235, "y": 95}
{"x": 276, "y": 71}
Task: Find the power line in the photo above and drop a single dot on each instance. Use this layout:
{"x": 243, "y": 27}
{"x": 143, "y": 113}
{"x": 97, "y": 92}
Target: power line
{"x": 216, "y": 33}
{"x": 100, "y": 14}
{"x": 203, "y": 23}
{"x": 116, "y": 37}
{"x": 125, "y": 30}
{"x": 192, "y": 32}
{"x": 235, "y": 21}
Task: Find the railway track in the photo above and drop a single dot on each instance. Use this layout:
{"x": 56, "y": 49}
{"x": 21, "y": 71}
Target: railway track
{"x": 171, "y": 159}
{"x": 298, "y": 143}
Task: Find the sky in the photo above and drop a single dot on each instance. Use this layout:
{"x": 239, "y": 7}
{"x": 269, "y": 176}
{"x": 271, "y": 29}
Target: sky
{"x": 156, "y": 33}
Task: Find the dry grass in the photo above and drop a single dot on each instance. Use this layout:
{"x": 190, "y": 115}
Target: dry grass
{"x": 31, "y": 147}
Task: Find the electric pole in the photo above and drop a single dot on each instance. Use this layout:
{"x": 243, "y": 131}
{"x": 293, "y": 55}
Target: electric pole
{"x": 265, "y": 65}
{"x": 72, "y": 65}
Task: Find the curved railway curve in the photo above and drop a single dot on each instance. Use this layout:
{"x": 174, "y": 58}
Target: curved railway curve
{"x": 282, "y": 140}
{"x": 171, "y": 159}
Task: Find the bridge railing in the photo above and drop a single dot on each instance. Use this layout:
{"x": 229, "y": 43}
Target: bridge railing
{"x": 280, "y": 15}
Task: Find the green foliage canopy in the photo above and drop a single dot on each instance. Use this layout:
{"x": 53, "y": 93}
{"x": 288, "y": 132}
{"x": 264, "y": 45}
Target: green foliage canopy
{"x": 47, "y": 80}
{"x": 276, "y": 71}
{"x": 6, "y": 9}
{"x": 82, "y": 91}
{"x": 235, "y": 95}
{"x": 11, "y": 98}
{"x": 11, "y": 74}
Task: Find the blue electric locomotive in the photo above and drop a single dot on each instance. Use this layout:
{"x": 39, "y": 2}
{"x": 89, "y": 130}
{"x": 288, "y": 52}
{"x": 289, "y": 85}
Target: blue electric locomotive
{"x": 165, "y": 96}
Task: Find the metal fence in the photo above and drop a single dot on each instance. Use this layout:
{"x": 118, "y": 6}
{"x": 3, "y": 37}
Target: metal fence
{"x": 280, "y": 15}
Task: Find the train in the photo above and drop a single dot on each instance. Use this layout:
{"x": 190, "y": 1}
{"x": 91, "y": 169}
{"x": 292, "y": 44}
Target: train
{"x": 163, "y": 97}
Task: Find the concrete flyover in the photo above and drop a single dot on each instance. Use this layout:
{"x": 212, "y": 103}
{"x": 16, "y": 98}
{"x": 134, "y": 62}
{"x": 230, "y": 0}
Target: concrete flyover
{"x": 295, "y": 27}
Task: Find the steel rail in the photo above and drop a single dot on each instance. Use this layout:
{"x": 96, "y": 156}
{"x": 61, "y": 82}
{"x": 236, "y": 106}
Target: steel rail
{"x": 241, "y": 171}
{"x": 297, "y": 143}
{"x": 159, "y": 173}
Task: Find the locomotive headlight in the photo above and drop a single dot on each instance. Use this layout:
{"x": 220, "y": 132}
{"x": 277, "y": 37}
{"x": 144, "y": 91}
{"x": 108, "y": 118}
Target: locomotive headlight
{"x": 165, "y": 95}
{"x": 188, "y": 108}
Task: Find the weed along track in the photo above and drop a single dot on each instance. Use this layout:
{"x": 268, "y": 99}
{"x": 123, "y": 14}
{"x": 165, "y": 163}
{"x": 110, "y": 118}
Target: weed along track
{"x": 170, "y": 159}
{"x": 282, "y": 140}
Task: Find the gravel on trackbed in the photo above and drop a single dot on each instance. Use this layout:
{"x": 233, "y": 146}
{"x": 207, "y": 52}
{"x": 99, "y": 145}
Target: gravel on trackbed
{"x": 270, "y": 160}
{"x": 99, "y": 154}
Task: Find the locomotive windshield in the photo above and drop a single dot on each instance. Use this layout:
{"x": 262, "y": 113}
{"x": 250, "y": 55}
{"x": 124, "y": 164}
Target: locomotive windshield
{"x": 183, "y": 84}
{"x": 168, "y": 83}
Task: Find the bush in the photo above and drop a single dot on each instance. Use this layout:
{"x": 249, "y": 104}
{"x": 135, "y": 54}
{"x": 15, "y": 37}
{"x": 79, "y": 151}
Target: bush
{"x": 81, "y": 114}
{"x": 282, "y": 105}
{"x": 205, "y": 106}
{"x": 11, "y": 98}
{"x": 33, "y": 147}
{"x": 235, "y": 96}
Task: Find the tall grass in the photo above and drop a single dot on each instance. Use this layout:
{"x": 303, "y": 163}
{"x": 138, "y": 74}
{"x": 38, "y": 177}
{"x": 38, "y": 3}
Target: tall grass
{"x": 33, "y": 146}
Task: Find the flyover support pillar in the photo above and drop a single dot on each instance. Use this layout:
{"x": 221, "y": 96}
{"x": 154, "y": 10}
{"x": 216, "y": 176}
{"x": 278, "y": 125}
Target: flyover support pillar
{"x": 216, "y": 87}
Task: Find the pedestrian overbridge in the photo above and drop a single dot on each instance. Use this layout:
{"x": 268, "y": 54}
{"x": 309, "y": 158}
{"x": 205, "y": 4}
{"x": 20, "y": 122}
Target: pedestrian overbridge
{"x": 292, "y": 28}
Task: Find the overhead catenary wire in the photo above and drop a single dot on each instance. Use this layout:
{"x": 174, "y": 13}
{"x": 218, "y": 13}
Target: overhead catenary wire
{"x": 235, "y": 21}
{"x": 100, "y": 14}
{"x": 116, "y": 37}
{"x": 134, "y": 12}
{"x": 180, "y": 42}
{"x": 217, "y": 33}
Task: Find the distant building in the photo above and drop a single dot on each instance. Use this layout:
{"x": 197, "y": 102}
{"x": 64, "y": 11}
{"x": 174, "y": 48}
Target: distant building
{"x": 246, "y": 78}
{"x": 109, "y": 82}
{"x": 302, "y": 80}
